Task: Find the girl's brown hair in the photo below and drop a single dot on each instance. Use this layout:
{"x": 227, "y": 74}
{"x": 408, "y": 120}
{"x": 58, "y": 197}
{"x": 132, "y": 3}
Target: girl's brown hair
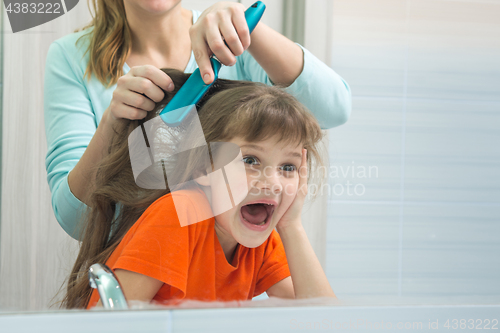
{"x": 252, "y": 111}
{"x": 110, "y": 41}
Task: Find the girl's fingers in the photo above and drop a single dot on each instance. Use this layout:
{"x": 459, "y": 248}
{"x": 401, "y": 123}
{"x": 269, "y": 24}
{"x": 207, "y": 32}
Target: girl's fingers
{"x": 155, "y": 75}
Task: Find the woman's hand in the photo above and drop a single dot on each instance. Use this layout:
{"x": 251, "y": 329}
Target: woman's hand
{"x": 224, "y": 21}
{"x": 137, "y": 92}
{"x": 292, "y": 215}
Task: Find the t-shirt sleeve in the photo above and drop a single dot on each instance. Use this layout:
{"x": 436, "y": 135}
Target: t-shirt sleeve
{"x": 274, "y": 267}
{"x": 159, "y": 247}
{"x": 69, "y": 126}
{"x": 318, "y": 87}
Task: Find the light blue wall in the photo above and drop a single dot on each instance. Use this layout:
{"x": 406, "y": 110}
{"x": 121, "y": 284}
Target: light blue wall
{"x": 425, "y": 76}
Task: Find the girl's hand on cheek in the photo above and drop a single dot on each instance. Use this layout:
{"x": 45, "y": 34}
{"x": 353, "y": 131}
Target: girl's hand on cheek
{"x": 292, "y": 216}
{"x": 224, "y": 21}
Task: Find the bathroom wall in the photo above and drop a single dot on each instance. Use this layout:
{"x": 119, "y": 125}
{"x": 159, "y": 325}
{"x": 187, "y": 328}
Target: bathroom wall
{"x": 35, "y": 253}
{"x": 425, "y": 78}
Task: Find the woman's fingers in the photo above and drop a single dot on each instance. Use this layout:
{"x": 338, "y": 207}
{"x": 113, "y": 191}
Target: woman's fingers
{"x": 144, "y": 86}
{"x": 138, "y": 91}
{"x": 202, "y": 57}
{"x": 132, "y": 113}
{"x": 222, "y": 30}
{"x": 216, "y": 43}
{"x": 134, "y": 99}
{"x": 155, "y": 75}
{"x": 120, "y": 110}
{"x": 240, "y": 24}
{"x": 230, "y": 35}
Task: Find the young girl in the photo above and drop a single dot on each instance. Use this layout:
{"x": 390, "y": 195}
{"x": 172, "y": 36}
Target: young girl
{"x": 236, "y": 255}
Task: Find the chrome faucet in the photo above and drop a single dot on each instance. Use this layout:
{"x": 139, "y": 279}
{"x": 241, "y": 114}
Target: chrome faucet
{"x": 104, "y": 280}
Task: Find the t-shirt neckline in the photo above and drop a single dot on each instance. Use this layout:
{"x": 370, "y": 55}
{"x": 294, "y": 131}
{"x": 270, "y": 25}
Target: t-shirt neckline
{"x": 223, "y": 267}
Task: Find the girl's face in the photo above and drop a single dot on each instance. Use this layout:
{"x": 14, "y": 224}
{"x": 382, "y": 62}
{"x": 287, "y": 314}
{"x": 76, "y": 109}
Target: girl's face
{"x": 272, "y": 178}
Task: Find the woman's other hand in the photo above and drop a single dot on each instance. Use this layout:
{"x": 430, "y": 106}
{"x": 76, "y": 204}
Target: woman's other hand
{"x": 224, "y": 21}
{"x": 137, "y": 92}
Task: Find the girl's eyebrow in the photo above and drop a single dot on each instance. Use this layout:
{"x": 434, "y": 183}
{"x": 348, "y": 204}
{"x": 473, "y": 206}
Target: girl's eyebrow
{"x": 259, "y": 148}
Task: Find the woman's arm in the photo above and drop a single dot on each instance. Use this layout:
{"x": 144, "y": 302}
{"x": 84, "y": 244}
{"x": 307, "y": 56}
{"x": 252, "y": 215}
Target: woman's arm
{"x": 312, "y": 82}
{"x": 130, "y": 101}
{"x": 223, "y": 30}
{"x": 271, "y": 58}
{"x": 75, "y": 143}
{"x": 281, "y": 59}
{"x": 70, "y": 123}
{"x": 82, "y": 176}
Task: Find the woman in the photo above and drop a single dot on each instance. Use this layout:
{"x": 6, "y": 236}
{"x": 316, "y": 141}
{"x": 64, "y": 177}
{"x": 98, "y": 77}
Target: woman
{"x": 110, "y": 70}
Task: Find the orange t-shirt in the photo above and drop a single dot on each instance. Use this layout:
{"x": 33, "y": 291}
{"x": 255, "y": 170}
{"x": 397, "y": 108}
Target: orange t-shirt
{"x": 189, "y": 260}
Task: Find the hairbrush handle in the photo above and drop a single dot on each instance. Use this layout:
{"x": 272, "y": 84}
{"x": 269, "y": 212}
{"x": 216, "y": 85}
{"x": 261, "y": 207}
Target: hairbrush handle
{"x": 253, "y": 14}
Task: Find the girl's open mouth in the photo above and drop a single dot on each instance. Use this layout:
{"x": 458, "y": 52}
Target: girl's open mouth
{"x": 257, "y": 216}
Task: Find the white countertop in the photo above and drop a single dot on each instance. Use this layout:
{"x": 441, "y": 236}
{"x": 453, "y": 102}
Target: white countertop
{"x": 271, "y": 315}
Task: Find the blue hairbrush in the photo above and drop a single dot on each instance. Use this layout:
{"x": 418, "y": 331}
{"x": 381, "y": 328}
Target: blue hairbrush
{"x": 194, "y": 89}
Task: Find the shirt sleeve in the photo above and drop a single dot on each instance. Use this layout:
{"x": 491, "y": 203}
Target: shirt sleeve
{"x": 159, "y": 247}
{"x": 69, "y": 126}
{"x": 318, "y": 87}
{"x": 275, "y": 266}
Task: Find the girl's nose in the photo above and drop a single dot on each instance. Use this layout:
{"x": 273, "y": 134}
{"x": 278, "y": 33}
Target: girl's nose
{"x": 268, "y": 181}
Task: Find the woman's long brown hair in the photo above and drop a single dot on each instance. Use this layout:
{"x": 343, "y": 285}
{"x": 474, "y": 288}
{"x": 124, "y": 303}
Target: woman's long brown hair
{"x": 252, "y": 111}
{"x": 110, "y": 41}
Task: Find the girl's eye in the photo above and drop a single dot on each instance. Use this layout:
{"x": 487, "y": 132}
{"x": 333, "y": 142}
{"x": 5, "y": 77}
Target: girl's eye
{"x": 249, "y": 160}
{"x": 289, "y": 168}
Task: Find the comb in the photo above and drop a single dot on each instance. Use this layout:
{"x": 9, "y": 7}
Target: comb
{"x": 193, "y": 90}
